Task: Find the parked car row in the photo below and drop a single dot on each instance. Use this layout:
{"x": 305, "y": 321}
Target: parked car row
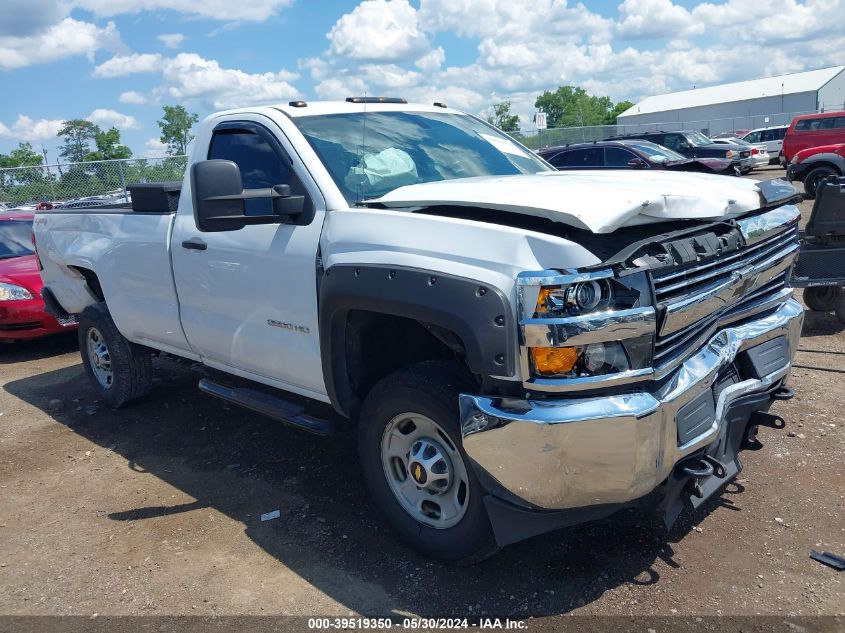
{"x": 108, "y": 199}
{"x": 812, "y": 147}
{"x": 634, "y": 154}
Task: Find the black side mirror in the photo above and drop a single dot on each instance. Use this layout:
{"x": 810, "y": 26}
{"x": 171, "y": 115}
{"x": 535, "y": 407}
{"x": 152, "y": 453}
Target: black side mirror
{"x": 637, "y": 163}
{"x": 220, "y": 199}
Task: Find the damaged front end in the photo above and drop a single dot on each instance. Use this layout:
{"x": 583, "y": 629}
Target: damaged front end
{"x": 643, "y": 377}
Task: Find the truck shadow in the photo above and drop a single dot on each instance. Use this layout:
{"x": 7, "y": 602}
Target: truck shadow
{"x": 330, "y": 534}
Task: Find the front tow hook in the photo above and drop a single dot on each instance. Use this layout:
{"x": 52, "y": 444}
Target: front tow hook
{"x": 698, "y": 468}
{"x": 783, "y": 393}
{"x": 763, "y": 418}
{"x": 718, "y": 467}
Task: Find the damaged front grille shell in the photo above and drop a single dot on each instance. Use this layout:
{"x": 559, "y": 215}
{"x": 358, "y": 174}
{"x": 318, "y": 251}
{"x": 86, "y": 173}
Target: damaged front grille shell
{"x": 699, "y": 283}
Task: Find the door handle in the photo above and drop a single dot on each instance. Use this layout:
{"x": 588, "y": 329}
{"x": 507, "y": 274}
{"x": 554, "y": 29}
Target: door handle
{"x": 194, "y": 244}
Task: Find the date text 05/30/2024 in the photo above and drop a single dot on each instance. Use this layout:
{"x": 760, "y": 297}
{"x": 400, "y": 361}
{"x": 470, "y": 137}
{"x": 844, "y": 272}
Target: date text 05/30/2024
{"x": 414, "y": 623}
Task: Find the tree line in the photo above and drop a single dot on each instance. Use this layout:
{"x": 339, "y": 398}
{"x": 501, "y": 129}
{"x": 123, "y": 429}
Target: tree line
{"x": 84, "y": 141}
{"x": 568, "y": 106}
{"x": 87, "y": 148}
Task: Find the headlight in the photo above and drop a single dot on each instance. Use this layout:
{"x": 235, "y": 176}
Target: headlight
{"x": 581, "y": 297}
{"x": 8, "y": 292}
{"x": 587, "y": 327}
{"x": 729, "y": 154}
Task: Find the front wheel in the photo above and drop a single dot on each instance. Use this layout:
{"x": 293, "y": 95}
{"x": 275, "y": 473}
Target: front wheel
{"x": 119, "y": 370}
{"x": 409, "y": 442}
{"x": 822, "y": 298}
{"x": 813, "y": 178}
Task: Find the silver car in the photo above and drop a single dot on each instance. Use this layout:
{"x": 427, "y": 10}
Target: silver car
{"x": 759, "y": 152}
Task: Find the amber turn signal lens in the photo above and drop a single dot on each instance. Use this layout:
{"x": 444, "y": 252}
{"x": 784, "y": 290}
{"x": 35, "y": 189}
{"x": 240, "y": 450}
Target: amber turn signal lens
{"x": 543, "y": 297}
{"x": 554, "y": 360}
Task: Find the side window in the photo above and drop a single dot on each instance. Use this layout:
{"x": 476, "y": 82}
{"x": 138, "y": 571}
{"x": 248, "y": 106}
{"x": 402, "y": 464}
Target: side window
{"x": 581, "y": 158}
{"x": 780, "y": 133}
{"x": 827, "y": 124}
{"x": 674, "y": 141}
{"x": 756, "y": 137}
{"x": 840, "y": 122}
{"x": 809, "y": 125}
{"x": 261, "y": 166}
{"x": 617, "y": 157}
{"x": 560, "y": 160}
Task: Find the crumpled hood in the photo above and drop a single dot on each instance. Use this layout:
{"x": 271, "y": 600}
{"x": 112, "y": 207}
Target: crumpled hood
{"x": 598, "y": 201}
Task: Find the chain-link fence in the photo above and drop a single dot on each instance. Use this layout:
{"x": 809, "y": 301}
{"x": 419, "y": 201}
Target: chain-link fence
{"x": 536, "y": 139}
{"x": 85, "y": 182}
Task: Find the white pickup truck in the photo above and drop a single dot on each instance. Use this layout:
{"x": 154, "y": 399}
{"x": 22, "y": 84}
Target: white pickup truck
{"x": 520, "y": 348}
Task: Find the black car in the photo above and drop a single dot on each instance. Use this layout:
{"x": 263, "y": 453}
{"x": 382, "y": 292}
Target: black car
{"x": 692, "y": 144}
{"x": 634, "y": 154}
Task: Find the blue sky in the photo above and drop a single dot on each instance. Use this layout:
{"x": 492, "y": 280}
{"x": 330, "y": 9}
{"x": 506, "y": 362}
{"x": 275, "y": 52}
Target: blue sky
{"x": 117, "y": 62}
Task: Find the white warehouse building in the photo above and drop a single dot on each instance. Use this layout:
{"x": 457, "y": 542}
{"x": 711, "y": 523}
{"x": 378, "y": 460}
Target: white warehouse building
{"x": 741, "y": 105}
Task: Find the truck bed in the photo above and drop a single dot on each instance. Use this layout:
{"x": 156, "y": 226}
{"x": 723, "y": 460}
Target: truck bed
{"x": 130, "y": 250}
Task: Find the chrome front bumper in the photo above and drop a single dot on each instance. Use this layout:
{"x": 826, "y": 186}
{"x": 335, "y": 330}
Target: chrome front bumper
{"x": 575, "y": 452}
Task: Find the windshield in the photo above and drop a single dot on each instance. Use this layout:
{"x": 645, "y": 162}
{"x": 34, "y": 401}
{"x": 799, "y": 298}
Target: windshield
{"x": 15, "y": 238}
{"x": 659, "y": 154}
{"x": 697, "y": 139}
{"x": 371, "y": 154}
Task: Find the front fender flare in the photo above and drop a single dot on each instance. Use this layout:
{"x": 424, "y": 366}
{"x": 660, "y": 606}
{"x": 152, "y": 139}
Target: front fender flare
{"x": 479, "y": 314}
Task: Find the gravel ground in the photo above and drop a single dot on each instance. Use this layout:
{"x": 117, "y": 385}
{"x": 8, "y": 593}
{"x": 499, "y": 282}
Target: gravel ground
{"x": 155, "y": 509}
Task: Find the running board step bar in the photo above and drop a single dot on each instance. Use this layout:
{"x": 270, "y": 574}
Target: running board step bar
{"x": 269, "y": 405}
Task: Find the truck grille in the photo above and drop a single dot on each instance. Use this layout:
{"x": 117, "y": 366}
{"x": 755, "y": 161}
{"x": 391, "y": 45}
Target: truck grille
{"x": 745, "y": 282}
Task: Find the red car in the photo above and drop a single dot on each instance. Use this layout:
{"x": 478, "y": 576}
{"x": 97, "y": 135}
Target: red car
{"x": 22, "y": 313}
{"x": 814, "y": 164}
{"x": 813, "y": 130}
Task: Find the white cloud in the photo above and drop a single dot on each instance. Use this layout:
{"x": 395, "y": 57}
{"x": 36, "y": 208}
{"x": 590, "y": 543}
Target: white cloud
{"x": 155, "y": 148}
{"x": 243, "y": 10}
{"x": 67, "y": 38}
{"x": 132, "y": 97}
{"x": 171, "y": 40}
{"x": 655, "y": 19}
{"x": 378, "y": 30}
{"x": 122, "y": 65}
{"x": 30, "y": 130}
{"x": 107, "y": 118}
{"x": 432, "y": 60}
{"x": 191, "y": 77}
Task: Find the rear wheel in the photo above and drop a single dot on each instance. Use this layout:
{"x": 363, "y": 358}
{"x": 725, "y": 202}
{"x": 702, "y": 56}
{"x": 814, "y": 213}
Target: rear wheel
{"x": 119, "y": 370}
{"x": 409, "y": 442}
{"x": 822, "y": 298}
{"x": 814, "y": 177}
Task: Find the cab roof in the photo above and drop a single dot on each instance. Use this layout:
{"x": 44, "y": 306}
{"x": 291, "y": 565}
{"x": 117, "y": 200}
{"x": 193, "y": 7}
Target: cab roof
{"x": 313, "y": 108}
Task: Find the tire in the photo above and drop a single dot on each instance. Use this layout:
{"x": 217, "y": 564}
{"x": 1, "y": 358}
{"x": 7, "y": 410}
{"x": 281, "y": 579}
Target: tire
{"x": 840, "y": 308}
{"x": 129, "y": 365}
{"x": 814, "y": 177}
{"x": 428, "y": 392}
{"x": 822, "y": 298}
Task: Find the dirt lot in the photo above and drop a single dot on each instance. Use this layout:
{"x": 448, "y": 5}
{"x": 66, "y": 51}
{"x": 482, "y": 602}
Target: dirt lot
{"x": 155, "y": 509}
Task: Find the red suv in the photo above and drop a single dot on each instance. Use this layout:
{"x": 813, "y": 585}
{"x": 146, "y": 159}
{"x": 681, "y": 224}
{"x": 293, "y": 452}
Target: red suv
{"x": 813, "y": 130}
